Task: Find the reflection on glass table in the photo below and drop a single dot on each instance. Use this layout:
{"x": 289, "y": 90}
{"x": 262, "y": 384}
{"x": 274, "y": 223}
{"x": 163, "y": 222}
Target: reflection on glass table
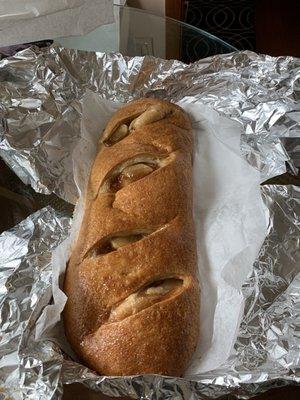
{"x": 137, "y": 33}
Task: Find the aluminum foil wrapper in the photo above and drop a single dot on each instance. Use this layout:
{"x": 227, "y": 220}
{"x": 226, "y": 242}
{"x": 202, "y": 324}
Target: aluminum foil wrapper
{"x": 28, "y": 370}
{"x": 40, "y": 96}
{"x": 40, "y": 92}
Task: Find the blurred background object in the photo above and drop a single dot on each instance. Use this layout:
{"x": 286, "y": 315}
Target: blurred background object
{"x": 264, "y": 26}
{"x": 18, "y": 201}
{"x": 9, "y": 51}
{"x": 183, "y": 29}
{"x": 143, "y": 29}
{"x": 277, "y": 27}
{"x": 230, "y": 20}
{"x": 24, "y": 21}
{"x": 15, "y": 205}
{"x": 80, "y": 392}
{"x": 138, "y": 32}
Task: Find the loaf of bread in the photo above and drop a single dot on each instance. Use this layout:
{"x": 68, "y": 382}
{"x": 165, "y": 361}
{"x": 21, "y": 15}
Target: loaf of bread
{"x": 131, "y": 281}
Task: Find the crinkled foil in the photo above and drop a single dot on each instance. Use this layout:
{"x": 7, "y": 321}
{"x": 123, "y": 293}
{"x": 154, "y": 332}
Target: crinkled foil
{"x": 40, "y": 109}
{"x": 28, "y": 370}
{"x": 40, "y": 92}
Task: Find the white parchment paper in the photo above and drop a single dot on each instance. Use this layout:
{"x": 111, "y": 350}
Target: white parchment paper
{"x": 229, "y": 217}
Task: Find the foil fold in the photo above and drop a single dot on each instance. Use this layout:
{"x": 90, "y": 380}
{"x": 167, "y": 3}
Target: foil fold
{"x": 40, "y": 107}
{"x": 40, "y": 110}
{"x": 28, "y": 370}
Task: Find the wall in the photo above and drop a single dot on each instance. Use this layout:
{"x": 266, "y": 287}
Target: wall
{"x": 138, "y": 26}
{"x": 155, "y": 6}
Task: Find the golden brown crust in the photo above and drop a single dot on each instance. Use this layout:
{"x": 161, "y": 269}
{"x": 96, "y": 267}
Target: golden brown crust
{"x": 133, "y": 296}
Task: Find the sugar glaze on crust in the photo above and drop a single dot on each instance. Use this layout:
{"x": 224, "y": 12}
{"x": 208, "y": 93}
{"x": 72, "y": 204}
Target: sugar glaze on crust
{"x": 131, "y": 281}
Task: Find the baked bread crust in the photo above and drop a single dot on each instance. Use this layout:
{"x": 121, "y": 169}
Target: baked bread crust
{"x": 131, "y": 281}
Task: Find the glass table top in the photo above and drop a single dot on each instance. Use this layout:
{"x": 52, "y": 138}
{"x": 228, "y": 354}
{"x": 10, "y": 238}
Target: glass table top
{"x": 137, "y": 33}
